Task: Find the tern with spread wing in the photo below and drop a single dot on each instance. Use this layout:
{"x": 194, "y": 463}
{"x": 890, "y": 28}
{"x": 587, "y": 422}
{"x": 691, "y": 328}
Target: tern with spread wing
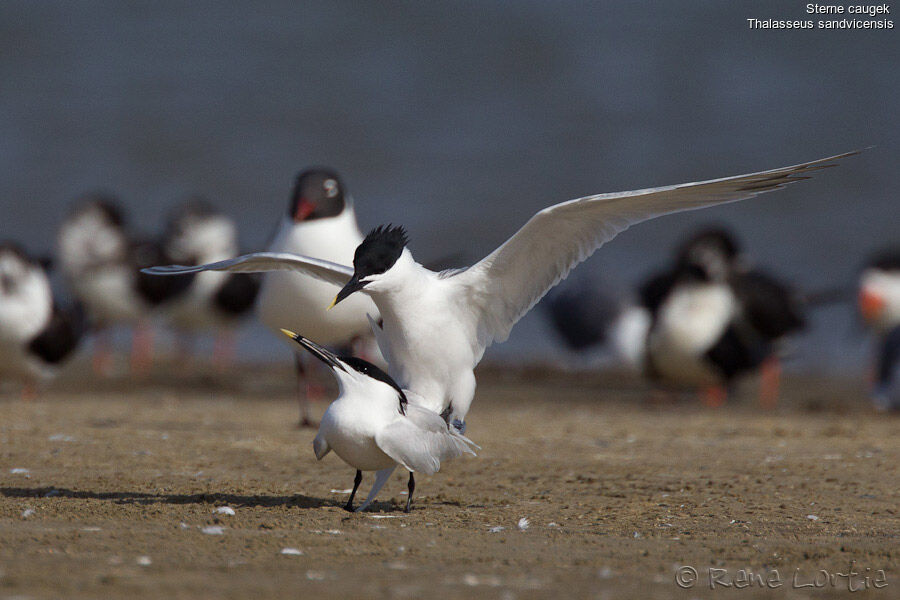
{"x": 372, "y": 426}
{"x": 437, "y": 325}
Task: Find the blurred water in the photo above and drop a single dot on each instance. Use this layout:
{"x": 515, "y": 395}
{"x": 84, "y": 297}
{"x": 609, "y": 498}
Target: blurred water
{"x": 460, "y": 120}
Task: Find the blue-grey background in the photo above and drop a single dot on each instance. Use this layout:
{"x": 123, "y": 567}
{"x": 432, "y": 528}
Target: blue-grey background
{"x": 459, "y": 120}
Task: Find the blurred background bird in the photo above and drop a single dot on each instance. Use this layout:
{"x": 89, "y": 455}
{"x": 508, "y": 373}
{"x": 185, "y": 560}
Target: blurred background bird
{"x": 879, "y": 307}
{"x": 38, "y": 331}
{"x": 101, "y": 258}
{"x": 715, "y": 318}
{"x": 196, "y": 233}
{"x": 600, "y": 320}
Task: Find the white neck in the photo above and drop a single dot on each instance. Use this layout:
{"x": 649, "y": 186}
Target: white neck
{"x": 402, "y": 285}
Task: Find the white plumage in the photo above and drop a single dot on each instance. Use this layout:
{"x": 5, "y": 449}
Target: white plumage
{"x": 372, "y": 426}
{"x": 299, "y": 303}
{"x": 690, "y": 321}
{"x": 36, "y": 333}
{"x": 26, "y": 304}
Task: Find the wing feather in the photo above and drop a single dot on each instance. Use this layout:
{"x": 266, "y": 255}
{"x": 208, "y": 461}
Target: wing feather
{"x": 421, "y": 441}
{"x": 511, "y": 280}
{"x": 260, "y": 262}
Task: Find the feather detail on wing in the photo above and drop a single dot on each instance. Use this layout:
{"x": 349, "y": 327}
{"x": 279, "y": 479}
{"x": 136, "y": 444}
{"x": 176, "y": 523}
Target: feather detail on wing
{"x": 259, "y": 262}
{"x": 511, "y": 280}
{"x": 422, "y": 441}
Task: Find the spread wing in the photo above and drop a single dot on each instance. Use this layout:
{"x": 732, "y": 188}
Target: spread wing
{"x": 268, "y": 261}
{"x": 509, "y": 282}
{"x": 420, "y": 441}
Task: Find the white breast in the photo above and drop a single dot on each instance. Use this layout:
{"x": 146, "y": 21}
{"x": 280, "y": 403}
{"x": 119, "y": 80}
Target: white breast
{"x": 430, "y": 335}
{"x": 629, "y": 336}
{"x": 24, "y": 313}
{"x": 351, "y": 422}
{"x": 110, "y": 295}
{"x": 688, "y": 324}
{"x": 212, "y": 240}
{"x": 92, "y": 256}
{"x": 299, "y": 303}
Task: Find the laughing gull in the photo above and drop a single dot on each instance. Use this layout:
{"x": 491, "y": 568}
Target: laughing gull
{"x": 879, "y": 292}
{"x": 879, "y": 306}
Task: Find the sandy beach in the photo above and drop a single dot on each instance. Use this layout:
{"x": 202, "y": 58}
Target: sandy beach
{"x": 584, "y": 487}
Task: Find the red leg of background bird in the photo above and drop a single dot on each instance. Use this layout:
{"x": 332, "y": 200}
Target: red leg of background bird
{"x": 29, "y": 391}
{"x": 714, "y": 396}
{"x": 141, "y": 348}
{"x": 102, "y": 359}
{"x": 223, "y": 350}
{"x": 769, "y": 382}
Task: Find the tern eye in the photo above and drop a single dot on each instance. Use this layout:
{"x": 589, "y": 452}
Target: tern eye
{"x": 331, "y": 188}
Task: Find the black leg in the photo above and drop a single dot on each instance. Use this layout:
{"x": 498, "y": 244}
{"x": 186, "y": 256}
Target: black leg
{"x": 356, "y": 481}
{"x": 411, "y": 486}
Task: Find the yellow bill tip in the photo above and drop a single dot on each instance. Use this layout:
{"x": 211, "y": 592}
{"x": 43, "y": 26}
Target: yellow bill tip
{"x": 289, "y": 333}
{"x": 333, "y": 302}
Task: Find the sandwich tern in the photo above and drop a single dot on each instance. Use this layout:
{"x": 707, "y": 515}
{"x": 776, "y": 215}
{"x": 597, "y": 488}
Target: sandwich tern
{"x": 372, "y": 426}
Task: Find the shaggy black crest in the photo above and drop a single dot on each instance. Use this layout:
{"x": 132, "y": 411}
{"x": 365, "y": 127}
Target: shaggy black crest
{"x": 380, "y": 250}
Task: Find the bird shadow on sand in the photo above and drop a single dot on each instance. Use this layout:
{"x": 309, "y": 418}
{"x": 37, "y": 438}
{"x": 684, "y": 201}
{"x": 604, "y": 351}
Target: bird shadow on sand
{"x": 297, "y": 501}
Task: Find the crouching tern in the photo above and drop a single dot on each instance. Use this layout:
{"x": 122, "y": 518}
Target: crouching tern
{"x": 437, "y": 325}
{"x": 373, "y": 426}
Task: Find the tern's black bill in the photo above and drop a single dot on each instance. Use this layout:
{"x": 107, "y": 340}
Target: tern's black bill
{"x": 354, "y": 285}
{"x": 316, "y": 350}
